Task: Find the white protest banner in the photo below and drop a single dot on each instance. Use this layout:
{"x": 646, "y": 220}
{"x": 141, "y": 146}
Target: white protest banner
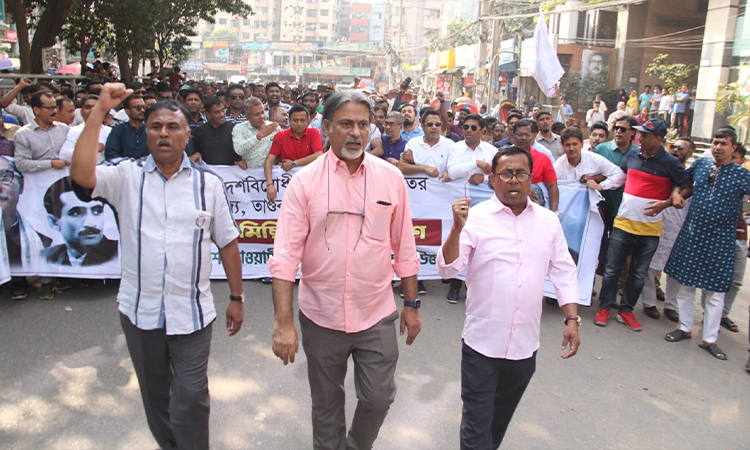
{"x": 55, "y": 234}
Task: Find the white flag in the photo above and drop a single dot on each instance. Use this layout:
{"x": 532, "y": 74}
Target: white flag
{"x": 548, "y": 70}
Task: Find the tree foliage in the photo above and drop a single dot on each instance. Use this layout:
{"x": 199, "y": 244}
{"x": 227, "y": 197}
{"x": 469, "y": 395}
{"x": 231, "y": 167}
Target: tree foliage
{"x": 672, "y": 75}
{"x": 733, "y": 100}
{"x": 125, "y": 27}
{"x": 581, "y": 90}
{"x": 223, "y": 34}
{"x": 46, "y": 27}
{"x": 459, "y": 32}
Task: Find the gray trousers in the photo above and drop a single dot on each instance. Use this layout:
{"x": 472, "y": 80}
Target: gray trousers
{"x": 375, "y": 353}
{"x": 172, "y": 375}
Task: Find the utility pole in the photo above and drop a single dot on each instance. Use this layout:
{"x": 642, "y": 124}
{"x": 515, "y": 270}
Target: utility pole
{"x": 498, "y": 29}
{"x": 484, "y": 32}
{"x": 296, "y": 24}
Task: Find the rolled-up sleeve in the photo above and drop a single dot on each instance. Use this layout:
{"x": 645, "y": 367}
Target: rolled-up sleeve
{"x": 292, "y": 229}
{"x": 406, "y": 259}
{"x": 467, "y": 242}
{"x": 615, "y": 176}
{"x": 562, "y": 270}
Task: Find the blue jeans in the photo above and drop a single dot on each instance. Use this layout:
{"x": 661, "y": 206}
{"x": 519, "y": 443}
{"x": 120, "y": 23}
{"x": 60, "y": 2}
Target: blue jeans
{"x": 620, "y": 244}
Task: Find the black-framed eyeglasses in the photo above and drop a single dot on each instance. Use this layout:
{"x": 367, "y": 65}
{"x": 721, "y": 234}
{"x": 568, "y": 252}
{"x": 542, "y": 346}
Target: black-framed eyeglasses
{"x": 50, "y": 108}
{"x": 344, "y": 213}
{"x": 621, "y": 129}
{"x": 138, "y": 107}
{"x": 506, "y": 176}
{"x": 390, "y": 124}
{"x": 7, "y": 176}
{"x": 678, "y": 147}
{"x": 139, "y": 92}
{"x": 471, "y": 127}
{"x": 237, "y": 96}
{"x": 433, "y": 124}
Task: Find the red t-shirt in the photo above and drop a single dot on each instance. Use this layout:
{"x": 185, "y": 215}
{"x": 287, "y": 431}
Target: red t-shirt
{"x": 286, "y": 146}
{"x": 543, "y": 171}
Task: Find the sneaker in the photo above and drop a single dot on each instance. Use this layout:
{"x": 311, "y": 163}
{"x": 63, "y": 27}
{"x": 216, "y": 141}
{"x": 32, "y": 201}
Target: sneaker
{"x": 19, "y": 292}
{"x": 63, "y": 284}
{"x": 652, "y": 312}
{"x": 453, "y": 295}
{"x": 672, "y": 315}
{"x": 628, "y": 319}
{"x": 602, "y": 317}
{"x": 46, "y": 291}
{"x": 421, "y": 290}
{"x": 266, "y": 280}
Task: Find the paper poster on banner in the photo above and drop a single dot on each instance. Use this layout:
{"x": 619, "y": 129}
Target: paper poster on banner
{"x": 4, "y": 261}
{"x": 60, "y": 235}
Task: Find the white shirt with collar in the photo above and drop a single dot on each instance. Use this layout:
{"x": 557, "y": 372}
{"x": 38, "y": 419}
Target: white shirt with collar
{"x": 591, "y": 164}
{"x": 434, "y": 156}
{"x": 462, "y": 161}
{"x": 166, "y": 230}
{"x": 66, "y": 151}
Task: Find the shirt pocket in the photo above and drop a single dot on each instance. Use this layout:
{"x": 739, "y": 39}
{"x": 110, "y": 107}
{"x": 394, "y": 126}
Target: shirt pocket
{"x": 378, "y": 221}
{"x": 201, "y": 220}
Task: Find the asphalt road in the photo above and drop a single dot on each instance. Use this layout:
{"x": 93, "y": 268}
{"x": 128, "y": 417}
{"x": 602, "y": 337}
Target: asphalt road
{"x": 66, "y": 382}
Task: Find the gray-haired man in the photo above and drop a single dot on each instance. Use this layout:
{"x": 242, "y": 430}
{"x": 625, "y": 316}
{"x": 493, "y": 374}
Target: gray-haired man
{"x": 342, "y": 217}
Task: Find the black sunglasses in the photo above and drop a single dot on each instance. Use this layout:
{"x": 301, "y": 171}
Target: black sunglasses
{"x": 621, "y": 129}
{"x": 237, "y": 96}
{"x": 472, "y": 127}
{"x": 433, "y": 124}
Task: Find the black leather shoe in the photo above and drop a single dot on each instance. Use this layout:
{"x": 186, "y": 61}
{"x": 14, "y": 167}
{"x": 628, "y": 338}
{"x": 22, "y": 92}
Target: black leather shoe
{"x": 652, "y": 312}
{"x": 672, "y": 315}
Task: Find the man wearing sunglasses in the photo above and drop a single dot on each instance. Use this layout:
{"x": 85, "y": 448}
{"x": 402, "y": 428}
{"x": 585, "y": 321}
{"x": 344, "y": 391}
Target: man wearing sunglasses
{"x": 236, "y": 99}
{"x": 471, "y": 157}
{"x": 615, "y": 151}
{"x": 652, "y": 173}
{"x": 429, "y": 153}
{"x": 342, "y": 217}
{"x": 128, "y": 140}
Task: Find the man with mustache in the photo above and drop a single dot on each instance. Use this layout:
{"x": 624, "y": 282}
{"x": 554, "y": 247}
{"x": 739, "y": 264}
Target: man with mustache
{"x": 342, "y": 216}
{"x": 81, "y": 225}
{"x": 170, "y": 211}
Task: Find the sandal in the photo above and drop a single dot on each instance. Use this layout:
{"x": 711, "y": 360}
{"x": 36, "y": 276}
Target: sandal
{"x": 714, "y": 350}
{"x": 727, "y": 323}
{"x": 676, "y": 336}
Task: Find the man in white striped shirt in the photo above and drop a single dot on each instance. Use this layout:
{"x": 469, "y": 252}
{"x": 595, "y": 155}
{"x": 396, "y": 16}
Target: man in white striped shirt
{"x": 170, "y": 211}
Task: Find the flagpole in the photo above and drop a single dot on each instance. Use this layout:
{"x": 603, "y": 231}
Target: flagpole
{"x": 558, "y": 94}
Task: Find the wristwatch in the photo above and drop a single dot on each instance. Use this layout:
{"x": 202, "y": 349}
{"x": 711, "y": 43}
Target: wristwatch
{"x": 415, "y": 304}
{"x": 576, "y": 318}
{"x": 294, "y": 164}
{"x": 238, "y": 298}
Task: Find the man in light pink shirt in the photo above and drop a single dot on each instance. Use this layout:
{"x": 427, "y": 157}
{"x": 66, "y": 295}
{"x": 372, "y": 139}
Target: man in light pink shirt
{"x": 509, "y": 245}
{"x": 342, "y": 216}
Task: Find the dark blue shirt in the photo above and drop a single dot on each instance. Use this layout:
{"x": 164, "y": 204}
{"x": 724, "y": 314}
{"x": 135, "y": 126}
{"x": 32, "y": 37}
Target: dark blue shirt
{"x": 125, "y": 141}
{"x": 392, "y": 150}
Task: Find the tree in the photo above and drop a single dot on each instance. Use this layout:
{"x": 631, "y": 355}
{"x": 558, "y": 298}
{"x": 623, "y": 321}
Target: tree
{"x": 733, "y": 100}
{"x": 672, "y": 75}
{"x": 223, "y": 34}
{"x": 459, "y": 32}
{"x": 53, "y": 16}
{"x": 85, "y": 29}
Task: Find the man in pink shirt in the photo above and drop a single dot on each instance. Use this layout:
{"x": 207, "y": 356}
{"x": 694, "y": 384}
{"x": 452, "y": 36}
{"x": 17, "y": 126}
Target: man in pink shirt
{"x": 509, "y": 245}
{"x": 345, "y": 213}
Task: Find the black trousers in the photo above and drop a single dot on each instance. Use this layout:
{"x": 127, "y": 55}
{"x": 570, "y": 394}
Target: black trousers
{"x": 172, "y": 375}
{"x": 491, "y": 389}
